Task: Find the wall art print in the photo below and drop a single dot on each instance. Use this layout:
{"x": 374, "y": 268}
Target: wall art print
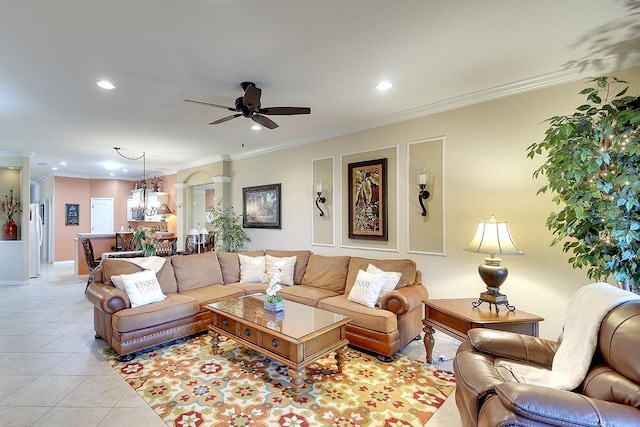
{"x": 368, "y": 200}
{"x": 261, "y": 206}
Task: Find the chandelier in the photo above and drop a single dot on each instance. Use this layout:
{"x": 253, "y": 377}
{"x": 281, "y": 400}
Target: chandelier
{"x": 144, "y": 208}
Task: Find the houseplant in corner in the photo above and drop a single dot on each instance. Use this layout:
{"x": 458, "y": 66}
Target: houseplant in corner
{"x": 593, "y": 168}
{"x": 228, "y": 234}
{"x": 10, "y": 206}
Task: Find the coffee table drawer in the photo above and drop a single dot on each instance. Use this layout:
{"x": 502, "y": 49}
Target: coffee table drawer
{"x": 275, "y": 344}
{"x": 226, "y": 323}
{"x": 248, "y": 333}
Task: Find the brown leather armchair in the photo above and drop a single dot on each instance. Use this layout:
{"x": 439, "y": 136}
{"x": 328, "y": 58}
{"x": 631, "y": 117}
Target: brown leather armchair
{"x": 609, "y": 395}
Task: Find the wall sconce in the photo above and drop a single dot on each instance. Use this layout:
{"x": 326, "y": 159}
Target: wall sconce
{"x": 320, "y": 198}
{"x": 423, "y": 180}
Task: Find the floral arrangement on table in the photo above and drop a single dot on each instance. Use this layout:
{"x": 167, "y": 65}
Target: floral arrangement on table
{"x": 144, "y": 239}
{"x": 10, "y": 206}
{"x": 274, "y": 301}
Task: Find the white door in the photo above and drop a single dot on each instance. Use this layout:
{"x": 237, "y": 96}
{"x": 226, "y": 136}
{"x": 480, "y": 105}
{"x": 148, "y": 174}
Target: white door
{"x": 101, "y": 215}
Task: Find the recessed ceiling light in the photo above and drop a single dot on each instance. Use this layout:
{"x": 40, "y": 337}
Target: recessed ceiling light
{"x": 384, "y": 85}
{"x": 111, "y": 174}
{"x": 256, "y": 127}
{"x": 125, "y": 170}
{"x": 63, "y": 163}
{"x": 105, "y": 84}
{"x": 54, "y": 168}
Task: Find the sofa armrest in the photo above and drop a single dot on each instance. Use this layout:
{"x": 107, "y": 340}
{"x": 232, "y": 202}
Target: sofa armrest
{"x": 107, "y": 298}
{"x": 405, "y": 299}
{"x": 512, "y": 345}
{"x": 562, "y": 408}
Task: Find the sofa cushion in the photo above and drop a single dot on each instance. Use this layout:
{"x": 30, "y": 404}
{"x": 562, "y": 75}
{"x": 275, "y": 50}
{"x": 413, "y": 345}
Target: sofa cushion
{"x": 230, "y": 266}
{"x": 327, "y": 272}
{"x": 197, "y": 270}
{"x": 142, "y": 288}
{"x": 307, "y": 295}
{"x": 252, "y": 268}
{"x": 213, "y": 293}
{"x": 375, "y": 319}
{"x": 118, "y": 266}
{"x": 302, "y": 259}
{"x": 282, "y": 266}
{"x": 250, "y": 288}
{"x": 367, "y": 289}
{"x": 172, "y": 308}
{"x": 390, "y": 280}
{"x": 405, "y": 266}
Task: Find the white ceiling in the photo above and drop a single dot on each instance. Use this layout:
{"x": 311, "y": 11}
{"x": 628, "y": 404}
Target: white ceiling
{"x": 326, "y": 55}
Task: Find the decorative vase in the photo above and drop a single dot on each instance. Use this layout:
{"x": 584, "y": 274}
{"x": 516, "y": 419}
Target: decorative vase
{"x": 274, "y": 306}
{"x": 10, "y": 230}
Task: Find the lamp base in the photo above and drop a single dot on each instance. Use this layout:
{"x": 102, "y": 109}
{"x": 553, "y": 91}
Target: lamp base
{"x": 493, "y": 297}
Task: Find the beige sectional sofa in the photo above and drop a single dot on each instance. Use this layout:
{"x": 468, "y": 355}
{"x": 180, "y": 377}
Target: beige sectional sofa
{"x": 192, "y": 281}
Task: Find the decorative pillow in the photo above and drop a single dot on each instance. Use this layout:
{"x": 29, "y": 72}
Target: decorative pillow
{"x": 251, "y": 268}
{"x": 284, "y": 265}
{"x": 366, "y": 289}
{"x": 143, "y": 288}
{"x": 390, "y": 279}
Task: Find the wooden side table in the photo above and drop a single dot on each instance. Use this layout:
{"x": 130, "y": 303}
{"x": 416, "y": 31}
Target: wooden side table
{"x": 455, "y": 317}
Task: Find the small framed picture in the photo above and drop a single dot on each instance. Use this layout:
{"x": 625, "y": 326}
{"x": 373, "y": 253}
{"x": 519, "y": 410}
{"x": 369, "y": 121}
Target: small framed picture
{"x": 261, "y": 206}
{"x": 72, "y": 214}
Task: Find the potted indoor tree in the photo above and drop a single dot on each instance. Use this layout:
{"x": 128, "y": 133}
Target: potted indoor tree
{"x": 228, "y": 235}
{"x": 593, "y": 169}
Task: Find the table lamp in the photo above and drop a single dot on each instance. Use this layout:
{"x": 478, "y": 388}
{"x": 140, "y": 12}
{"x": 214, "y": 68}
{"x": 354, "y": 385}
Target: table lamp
{"x": 493, "y": 238}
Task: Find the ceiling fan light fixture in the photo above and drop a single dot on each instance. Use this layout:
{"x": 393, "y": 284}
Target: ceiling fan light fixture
{"x": 105, "y": 84}
{"x": 383, "y": 85}
{"x": 256, "y": 127}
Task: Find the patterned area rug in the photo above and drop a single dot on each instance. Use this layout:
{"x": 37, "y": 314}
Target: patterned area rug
{"x": 188, "y": 387}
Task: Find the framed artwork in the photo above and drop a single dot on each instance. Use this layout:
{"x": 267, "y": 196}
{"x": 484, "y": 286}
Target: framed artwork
{"x": 261, "y": 206}
{"x": 368, "y": 200}
{"x": 72, "y": 214}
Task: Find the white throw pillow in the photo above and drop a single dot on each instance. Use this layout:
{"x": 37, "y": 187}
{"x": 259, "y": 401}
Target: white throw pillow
{"x": 284, "y": 265}
{"x": 390, "y": 279}
{"x": 366, "y": 289}
{"x": 143, "y": 288}
{"x": 252, "y": 268}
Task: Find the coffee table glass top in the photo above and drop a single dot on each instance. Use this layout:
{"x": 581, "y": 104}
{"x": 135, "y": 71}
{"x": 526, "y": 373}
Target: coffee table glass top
{"x": 296, "y": 320}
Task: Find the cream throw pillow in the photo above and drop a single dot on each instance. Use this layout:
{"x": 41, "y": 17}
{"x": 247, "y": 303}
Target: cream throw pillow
{"x": 251, "y": 268}
{"x": 143, "y": 288}
{"x": 390, "y": 280}
{"x": 284, "y": 265}
{"x": 366, "y": 289}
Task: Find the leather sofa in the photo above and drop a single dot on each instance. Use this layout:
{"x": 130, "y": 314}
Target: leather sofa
{"x": 190, "y": 282}
{"x": 608, "y": 396}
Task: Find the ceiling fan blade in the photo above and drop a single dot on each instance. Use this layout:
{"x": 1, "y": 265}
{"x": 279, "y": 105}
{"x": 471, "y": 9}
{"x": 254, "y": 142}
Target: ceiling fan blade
{"x": 212, "y": 105}
{"x": 252, "y": 96}
{"x": 285, "y": 111}
{"x": 264, "y": 121}
{"x": 225, "y": 119}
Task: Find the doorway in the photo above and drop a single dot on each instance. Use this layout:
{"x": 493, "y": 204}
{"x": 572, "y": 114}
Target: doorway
{"x": 101, "y": 215}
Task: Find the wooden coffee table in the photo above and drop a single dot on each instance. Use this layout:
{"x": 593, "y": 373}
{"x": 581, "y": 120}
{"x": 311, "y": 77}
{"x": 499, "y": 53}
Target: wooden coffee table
{"x": 295, "y": 337}
{"x": 455, "y": 317}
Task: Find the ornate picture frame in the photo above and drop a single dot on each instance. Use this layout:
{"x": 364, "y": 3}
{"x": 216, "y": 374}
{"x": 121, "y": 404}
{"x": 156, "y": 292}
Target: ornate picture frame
{"x": 368, "y": 200}
{"x": 261, "y": 206}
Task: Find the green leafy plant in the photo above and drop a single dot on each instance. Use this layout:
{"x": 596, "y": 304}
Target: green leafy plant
{"x": 593, "y": 169}
{"x": 228, "y": 234}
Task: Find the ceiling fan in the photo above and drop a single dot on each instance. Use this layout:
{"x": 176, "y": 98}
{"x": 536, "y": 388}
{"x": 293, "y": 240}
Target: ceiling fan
{"x": 249, "y": 106}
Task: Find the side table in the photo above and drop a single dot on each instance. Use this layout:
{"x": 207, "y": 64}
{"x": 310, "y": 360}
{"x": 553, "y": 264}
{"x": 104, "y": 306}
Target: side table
{"x": 456, "y": 316}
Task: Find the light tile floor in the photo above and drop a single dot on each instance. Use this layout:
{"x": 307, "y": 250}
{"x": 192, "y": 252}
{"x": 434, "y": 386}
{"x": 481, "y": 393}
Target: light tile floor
{"x": 52, "y": 372}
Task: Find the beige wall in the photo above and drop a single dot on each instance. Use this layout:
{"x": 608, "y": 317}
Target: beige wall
{"x": 486, "y": 173}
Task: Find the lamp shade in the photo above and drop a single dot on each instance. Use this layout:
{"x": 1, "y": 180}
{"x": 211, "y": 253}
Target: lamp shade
{"x": 493, "y": 238}
{"x": 193, "y": 232}
{"x": 164, "y": 209}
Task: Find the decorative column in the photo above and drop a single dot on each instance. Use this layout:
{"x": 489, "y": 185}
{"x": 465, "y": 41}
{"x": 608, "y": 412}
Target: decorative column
{"x": 181, "y": 227}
